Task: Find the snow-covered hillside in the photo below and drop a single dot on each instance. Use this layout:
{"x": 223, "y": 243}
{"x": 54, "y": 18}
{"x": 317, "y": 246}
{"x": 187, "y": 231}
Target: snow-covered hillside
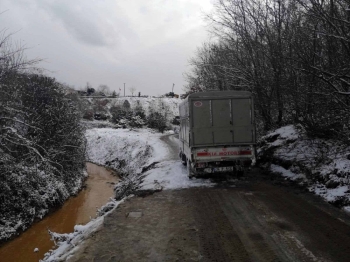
{"x": 164, "y": 103}
{"x": 147, "y": 102}
{"x": 321, "y": 165}
{"x": 140, "y": 156}
{"x": 125, "y": 112}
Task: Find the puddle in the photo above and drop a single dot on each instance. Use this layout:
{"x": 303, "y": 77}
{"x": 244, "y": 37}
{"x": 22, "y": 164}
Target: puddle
{"x": 77, "y": 210}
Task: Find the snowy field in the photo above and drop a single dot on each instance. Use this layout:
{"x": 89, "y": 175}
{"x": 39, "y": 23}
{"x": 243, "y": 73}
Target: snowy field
{"x": 321, "y": 165}
{"x": 144, "y": 161}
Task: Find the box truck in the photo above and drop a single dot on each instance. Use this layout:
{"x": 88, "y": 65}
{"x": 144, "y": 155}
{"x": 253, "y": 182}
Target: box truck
{"x": 217, "y": 132}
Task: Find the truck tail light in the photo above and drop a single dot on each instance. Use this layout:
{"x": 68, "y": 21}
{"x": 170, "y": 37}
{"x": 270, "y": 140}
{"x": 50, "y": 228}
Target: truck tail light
{"x": 245, "y": 152}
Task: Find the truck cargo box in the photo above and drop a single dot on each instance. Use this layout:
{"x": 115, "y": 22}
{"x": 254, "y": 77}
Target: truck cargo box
{"x": 214, "y": 122}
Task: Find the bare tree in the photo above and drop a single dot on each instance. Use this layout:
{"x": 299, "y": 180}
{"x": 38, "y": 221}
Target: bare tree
{"x": 104, "y": 89}
{"x": 89, "y": 89}
{"x": 12, "y": 57}
{"x": 250, "y": 54}
{"x": 291, "y": 54}
{"x": 132, "y": 90}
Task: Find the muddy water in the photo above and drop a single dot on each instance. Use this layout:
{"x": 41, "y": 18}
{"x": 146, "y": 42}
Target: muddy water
{"x": 77, "y": 210}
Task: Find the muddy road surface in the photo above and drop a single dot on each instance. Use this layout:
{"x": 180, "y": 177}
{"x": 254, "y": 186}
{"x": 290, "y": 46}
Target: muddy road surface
{"x": 242, "y": 220}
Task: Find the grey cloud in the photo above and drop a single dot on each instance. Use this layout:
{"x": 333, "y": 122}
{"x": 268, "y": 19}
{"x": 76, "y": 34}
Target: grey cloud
{"x": 144, "y": 9}
{"x": 79, "y": 24}
{"x": 135, "y": 45}
{"x": 84, "y": 26}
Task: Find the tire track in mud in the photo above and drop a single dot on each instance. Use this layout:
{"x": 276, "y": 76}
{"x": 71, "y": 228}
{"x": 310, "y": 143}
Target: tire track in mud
{"x": 265, "y": 223}
{"x": 253, "y": 234}
{"x": 322, "y": 233}
{"x": 229, "y": 229}
{"x": 266, "y": 236}
{"x": 218, "y": 240}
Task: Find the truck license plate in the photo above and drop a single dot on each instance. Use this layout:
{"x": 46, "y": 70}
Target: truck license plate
{"x": 222, "y": 169}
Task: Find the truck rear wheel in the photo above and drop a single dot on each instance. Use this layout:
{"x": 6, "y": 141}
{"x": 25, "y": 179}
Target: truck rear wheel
{"x": 239, "y": 171}
{"x": 189, "y": 170}
{"x": 183, "y": 158}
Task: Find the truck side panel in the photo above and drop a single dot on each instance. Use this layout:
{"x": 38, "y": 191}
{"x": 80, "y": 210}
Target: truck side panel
{"x": 184, "y": 135}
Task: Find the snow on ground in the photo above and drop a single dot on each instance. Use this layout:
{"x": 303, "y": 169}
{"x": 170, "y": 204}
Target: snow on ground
{"x": 125, "y": 150}
{"x": 287, "y": 133}
{"x": 330, "y": 194}
{"x": 132, "y": 152}
{"x": 170, "y": 175}
{"x": 324, "y": 165}
{"x": 347, "y": 209}
{"x": 286, "y": 173}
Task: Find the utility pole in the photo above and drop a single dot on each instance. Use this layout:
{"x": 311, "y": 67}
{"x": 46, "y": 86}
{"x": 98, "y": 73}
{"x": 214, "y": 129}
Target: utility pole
{"x": 124, "y": 89}
{"x": 172, "y": 90}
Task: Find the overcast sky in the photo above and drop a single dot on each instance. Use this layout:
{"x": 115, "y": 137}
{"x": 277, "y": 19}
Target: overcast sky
{"x": 143, "y": 43}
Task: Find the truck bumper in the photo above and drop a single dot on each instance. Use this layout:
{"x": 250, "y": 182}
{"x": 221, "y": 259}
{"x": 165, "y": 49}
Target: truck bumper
{"x": 222, "y": 166}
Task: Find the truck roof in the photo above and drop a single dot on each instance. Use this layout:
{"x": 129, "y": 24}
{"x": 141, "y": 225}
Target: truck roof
{"x": 230, "y": 93}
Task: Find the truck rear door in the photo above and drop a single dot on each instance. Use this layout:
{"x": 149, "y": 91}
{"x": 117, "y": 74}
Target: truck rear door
{"x": 222, "y": 121}
{"x": 242, "y": 113}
